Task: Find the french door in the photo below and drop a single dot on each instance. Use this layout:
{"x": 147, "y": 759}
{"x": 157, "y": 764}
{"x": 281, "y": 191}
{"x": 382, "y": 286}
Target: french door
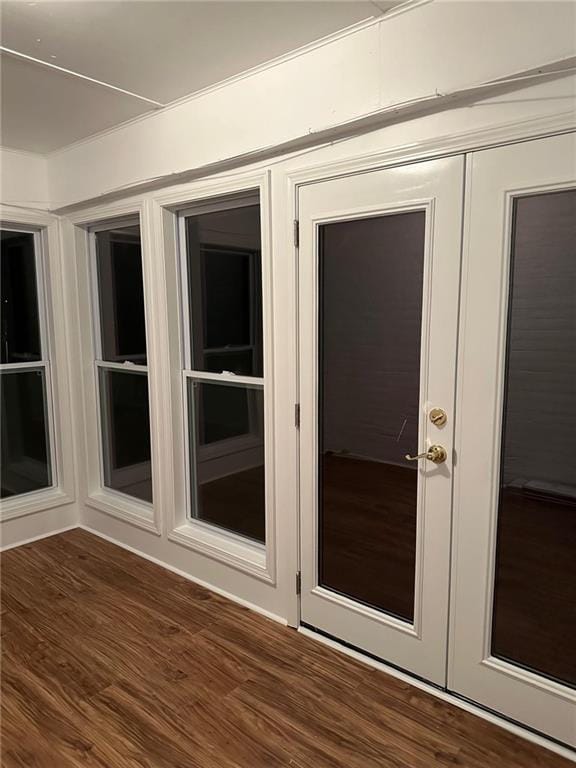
{"x": 379, "y": 278}
{"x": 479, "y": 598}
{"x": 513, "y": 644}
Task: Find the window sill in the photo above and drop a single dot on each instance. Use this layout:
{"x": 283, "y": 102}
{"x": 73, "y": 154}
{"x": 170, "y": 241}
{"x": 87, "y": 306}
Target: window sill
{"x": 228, "y": 549}
{"x": 139, "y": 514}
{"x": 30, "y": 503}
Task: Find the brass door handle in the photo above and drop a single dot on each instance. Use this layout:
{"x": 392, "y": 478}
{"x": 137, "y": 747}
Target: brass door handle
{"x": 435, "y": 453}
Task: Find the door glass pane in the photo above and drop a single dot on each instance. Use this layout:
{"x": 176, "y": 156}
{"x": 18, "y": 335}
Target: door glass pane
{"x": 225, "y": 289}
{"x": 227, "y": 456}
{"x": 371, "y": 273}
{"x": 20, "y": 329}
{"x": 121, "y": 295}
{"x": 534, "y": 620}
{"x": 24, "y": 439}
{"x": 126, "y": 432}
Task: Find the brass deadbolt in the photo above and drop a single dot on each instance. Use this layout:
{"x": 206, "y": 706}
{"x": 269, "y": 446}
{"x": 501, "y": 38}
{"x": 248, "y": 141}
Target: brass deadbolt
{"x": 438, "y": 417}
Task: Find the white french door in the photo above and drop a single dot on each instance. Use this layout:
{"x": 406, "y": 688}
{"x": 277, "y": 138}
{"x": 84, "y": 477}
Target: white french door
{"x": 379, "y": 271}
{"x": 513, "y": 638}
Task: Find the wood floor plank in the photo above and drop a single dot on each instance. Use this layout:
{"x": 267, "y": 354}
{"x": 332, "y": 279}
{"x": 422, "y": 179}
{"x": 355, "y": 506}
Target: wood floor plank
{"x": 110, "y": 661}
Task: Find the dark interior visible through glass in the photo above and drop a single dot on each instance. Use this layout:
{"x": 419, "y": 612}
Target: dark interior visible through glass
{"x": 227, "y": 456}
{"x": 25, "y": 462}
{"x": 121, "y": 295}
{"x": 225, "y": 290}
{"x": 126, "y": 432}
{"x": 20, "y": 328}
{"x": 534, "y": 618}
{"x": 370, "y": 315}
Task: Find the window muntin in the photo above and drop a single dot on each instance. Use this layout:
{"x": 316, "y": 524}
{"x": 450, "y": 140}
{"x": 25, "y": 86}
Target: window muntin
{"x": 27, "y": 457}
{"x": 223, "y": 368}
{"x": 121, "y": 360}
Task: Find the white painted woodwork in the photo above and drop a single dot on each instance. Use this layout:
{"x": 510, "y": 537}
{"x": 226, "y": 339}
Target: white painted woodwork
{"x": 494, "y": 176}
{"x": 403, "y": 56}
{"x": 435, "y": 187}
{"x": 23, "y": 179}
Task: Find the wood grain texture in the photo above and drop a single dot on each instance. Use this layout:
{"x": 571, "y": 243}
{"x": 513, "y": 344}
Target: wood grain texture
{"x": 110, "y": 661}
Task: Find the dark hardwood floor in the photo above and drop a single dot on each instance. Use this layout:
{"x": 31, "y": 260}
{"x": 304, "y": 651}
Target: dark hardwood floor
{"x": 114, "y": 662}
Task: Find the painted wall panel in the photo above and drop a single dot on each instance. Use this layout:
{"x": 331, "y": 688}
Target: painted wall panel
{"x": 23, "y": 179}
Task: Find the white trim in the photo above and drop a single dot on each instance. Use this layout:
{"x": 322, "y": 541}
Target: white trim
{"x": 233, "y": 551}
{"x": 446, "y": 696}
{"x": 126, "y": 367}
{"x": 185, "y": 575}
{"x": 35, "y": 501}
{"x": 38, "y": 538}
{"x": 440, "y": 146}
{"x": 226, "y": 377}
{"x": 125, "y": 508}
{"x": 129, "y": 509}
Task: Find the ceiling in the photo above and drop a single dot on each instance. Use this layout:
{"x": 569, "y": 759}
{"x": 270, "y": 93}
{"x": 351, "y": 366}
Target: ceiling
{"x": 157, "y": 51}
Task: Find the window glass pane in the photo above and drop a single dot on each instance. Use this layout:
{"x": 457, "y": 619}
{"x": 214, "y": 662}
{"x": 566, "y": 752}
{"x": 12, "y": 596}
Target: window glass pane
{"x": 20, "y": 324}
{"x": 126, "y": 432}
{"x": 370, "y": 317}
{"x": 24, "y": 439}
{"x": 227, "y": 456}
{"x": 225, "y": 290}
{"x": 534, "y": 620}
{"x": 121, "y": 295}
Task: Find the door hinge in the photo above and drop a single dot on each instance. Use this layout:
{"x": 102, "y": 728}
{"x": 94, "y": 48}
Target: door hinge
{"x": 297, "y": 415}
{"x": 296, "y": 233}
{"x": 298, "y": 583}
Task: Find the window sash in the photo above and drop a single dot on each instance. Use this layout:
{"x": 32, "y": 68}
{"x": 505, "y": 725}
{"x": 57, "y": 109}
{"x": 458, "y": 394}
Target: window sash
{"x": 189, "y": 373}
{"x": 99, "y": 362}
{"x": 44, "y": 362}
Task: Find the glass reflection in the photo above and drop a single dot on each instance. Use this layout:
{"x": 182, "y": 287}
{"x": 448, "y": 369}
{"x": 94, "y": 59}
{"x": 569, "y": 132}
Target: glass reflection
{"x": 371, "y": 273}
{"x": 227, "y": 461}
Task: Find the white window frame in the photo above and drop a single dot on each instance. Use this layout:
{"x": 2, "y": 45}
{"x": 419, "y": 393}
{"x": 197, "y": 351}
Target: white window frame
{"x": 82, "y": 228}
{"x": 234, "y": 550}
{"x": 99, "y": 363}
{"x": 54, "y": 363}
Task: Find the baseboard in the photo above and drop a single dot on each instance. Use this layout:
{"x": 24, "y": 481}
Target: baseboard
{"x": 179, "y": 572}
{"x": 38, "y": 538}
{"x": 450, "y": 698}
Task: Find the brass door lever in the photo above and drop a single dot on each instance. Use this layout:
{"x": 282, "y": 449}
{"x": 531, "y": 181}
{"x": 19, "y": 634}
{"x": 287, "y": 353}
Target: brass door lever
{"x": 435, "y": 453}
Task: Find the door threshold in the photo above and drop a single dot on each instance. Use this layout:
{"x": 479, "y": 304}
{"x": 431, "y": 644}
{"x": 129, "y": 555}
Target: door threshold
{"x": 441, "y": 693}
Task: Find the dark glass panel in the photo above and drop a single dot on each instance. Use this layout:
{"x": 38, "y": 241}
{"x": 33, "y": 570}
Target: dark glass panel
{"x": 227, "y": 456}
{"x": 225, "y": 289}
{"x": 24, "y": 445}
{"x": 20, "y": 329}
{"x": 121, "y": 295}
{"x": 371, "y": 273}
{"x": 534, "y": 620}
{"x": 126, "y": 432}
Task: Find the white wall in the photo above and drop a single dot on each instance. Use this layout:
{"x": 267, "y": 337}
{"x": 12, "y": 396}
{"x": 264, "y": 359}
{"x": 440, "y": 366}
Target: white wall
{"x": 23, "y": 179}
{"x": 436, "y": 47}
